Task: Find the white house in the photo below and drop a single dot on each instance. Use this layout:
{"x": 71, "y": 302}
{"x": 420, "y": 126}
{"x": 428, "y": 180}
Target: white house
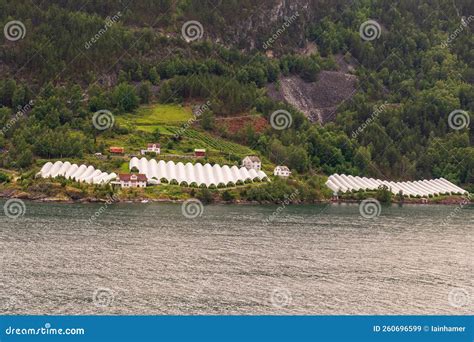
{"x": 154, "y": 148}
{"x": 252, "y": 162}
{"x": 282, "y": 171}
{"x": 127, "y": 180}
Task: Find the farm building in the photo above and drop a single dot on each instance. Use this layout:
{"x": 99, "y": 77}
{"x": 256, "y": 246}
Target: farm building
{"x": 132, "y": 180}
{"x": 152, "y": 148}
{"x": 116, "y": 150}
{"x": 282, "y": 171}
{"x": 199, "y": 152}
{"x": 252, "y": 163}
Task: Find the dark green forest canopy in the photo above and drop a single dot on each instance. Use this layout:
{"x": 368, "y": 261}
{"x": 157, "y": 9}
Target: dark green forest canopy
{"x": 418, "y": 71}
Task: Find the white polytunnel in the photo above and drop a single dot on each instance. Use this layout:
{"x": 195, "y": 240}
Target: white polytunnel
{"x": 424, "y": 188}
{"x": 83, "y": 173}
{"x": 195, "y": 173}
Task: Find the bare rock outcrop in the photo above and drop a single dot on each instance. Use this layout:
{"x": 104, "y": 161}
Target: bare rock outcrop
{"x": 317, "y": 100}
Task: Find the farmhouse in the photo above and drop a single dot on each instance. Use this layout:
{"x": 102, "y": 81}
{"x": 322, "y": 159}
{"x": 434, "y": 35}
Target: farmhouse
{"x": 152, "y": 148}
{"x": 116, "y": 150}
{"x": 199, "y": 152}
{"x": 132, "y": 180}
{"x": 282, "y": 171}
{"x": 252, "y": 162}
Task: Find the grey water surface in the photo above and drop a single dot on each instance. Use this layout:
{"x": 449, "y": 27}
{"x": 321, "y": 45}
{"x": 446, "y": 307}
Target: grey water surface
{"x": 314, "y": 259}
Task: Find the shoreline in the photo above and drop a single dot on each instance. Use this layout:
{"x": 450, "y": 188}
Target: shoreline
{"x": 454, "y": 200}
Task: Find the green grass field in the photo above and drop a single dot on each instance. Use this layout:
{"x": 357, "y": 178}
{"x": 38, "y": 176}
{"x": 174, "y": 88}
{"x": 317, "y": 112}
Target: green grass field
{"x": 151, "y": 128}
{"x": 148, "y": 118}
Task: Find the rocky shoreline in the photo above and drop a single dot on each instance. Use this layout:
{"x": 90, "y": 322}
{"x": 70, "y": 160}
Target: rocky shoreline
{"x": 7, "y": 194}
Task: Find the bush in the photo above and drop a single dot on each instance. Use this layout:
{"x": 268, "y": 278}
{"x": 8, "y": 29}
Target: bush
{"x": 205, "y": 196}
{"x": 384, "y": 195}
{"x": 228, "y": 196}
{"x": 276, "y": 191}
{"x": 4, "y": 178}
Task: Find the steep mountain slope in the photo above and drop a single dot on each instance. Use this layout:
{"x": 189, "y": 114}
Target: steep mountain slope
{"x": 75, "y": 59}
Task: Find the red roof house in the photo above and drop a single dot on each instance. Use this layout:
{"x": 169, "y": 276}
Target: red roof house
{"x": 115, "y": 149}
{"x": 132, "y": 180}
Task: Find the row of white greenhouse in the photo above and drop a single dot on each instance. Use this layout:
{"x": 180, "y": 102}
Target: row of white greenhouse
{"x": 79, "y": 173}
{"x": 208, "y": 175}
{"x": 422, "y": 188}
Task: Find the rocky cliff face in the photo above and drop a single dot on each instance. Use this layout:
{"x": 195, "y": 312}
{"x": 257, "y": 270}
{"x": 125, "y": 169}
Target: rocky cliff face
{"x": 317, "y": 100}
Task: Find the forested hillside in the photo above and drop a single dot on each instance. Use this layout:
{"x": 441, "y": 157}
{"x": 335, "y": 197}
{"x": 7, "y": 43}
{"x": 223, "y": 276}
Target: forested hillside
{"x": 79, "y": 57}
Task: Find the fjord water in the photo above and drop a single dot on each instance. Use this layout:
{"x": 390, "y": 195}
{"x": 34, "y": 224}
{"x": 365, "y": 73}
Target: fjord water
{"x": 318, "y": 259}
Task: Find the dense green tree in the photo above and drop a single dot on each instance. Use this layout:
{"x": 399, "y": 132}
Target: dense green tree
{"x": 144, "y": 92}
{"x": 124, "y": 98}
{"x": 207, "y": 120}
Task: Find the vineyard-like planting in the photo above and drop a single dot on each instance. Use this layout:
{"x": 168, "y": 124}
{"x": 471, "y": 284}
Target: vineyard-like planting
{"x": 212, "y": 142}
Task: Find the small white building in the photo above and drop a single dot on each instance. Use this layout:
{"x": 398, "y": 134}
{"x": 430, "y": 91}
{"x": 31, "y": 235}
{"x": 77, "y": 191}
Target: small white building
{"x": 252, "y": 162}
{"x": 199, "y": 152}
{"x": 152, "y": 148}
{"x": 132, "y": 180}
{"x": 282, "y": 171}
